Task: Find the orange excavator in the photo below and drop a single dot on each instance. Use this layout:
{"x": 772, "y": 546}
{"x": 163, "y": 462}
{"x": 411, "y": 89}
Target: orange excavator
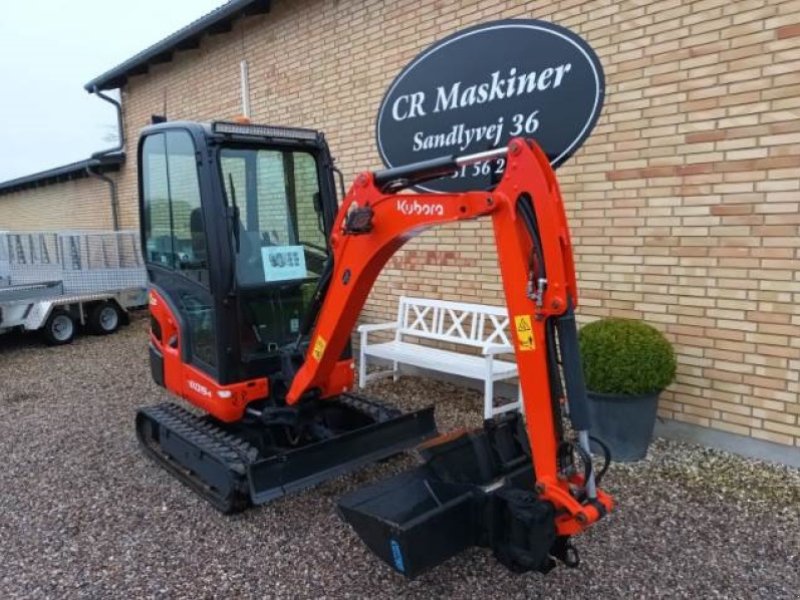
{"x": 257, "y": 279}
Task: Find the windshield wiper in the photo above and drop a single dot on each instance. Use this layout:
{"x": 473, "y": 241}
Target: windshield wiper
{"x": 235, "y": 221}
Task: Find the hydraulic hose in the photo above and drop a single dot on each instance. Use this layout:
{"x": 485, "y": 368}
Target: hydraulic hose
{"x": 567, "y": 333}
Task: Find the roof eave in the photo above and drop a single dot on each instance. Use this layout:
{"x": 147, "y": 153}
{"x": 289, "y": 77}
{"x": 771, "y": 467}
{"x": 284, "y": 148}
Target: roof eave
{"x": 109, "y": 162}
{"x": 219, "y": 20}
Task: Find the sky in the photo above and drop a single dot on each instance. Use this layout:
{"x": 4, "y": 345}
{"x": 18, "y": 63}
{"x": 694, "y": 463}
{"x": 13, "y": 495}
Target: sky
{"x": 48, "y": 50}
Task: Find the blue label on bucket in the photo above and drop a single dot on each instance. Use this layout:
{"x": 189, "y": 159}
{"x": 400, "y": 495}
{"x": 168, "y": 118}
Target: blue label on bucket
{"x": 397, "y": 555}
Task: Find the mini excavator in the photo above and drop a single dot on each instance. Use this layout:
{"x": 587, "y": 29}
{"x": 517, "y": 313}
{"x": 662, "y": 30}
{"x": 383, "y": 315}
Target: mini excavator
{"x": 257, "y": 278}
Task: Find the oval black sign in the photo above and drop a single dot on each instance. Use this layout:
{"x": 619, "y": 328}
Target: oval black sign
{"x": 481, "y": 86}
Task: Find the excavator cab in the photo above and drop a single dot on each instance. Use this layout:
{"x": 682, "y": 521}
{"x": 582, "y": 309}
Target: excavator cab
{"x": 235, "y": 222}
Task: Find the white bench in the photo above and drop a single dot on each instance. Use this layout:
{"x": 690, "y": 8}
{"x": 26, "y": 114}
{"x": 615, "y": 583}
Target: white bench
{"x": 471, "y": 325}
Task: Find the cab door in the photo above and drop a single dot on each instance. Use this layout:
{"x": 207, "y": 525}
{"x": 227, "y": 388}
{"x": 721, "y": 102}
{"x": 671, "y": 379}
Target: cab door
{"x": 176, "y": 251}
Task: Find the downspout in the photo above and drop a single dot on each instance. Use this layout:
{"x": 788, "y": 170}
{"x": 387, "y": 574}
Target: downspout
{"x": 98, "y": 156}
{"x": 112, "y": 187}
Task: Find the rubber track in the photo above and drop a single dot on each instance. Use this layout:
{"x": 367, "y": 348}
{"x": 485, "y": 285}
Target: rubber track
{"x": 375, "y": 410}
{"x": 229, "y": 451}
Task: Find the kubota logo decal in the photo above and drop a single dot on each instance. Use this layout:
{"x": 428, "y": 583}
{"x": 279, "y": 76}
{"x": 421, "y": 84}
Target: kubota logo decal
{"x": 199, "y": 388}
{"x": 416, "y": 207}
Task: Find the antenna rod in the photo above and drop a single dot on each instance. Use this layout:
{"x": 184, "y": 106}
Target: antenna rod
{"x": 245, "y": 79}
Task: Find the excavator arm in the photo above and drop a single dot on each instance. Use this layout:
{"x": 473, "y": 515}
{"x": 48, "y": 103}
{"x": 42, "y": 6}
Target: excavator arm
{"x": 535, "y": 257}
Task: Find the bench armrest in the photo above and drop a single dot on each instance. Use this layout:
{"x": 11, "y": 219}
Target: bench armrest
{"x": 376, "y": 327}
{"x": 498, "y": 349}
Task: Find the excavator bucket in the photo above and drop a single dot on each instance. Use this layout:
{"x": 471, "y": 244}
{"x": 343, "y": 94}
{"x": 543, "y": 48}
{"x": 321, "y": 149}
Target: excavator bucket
{"x": 475, "y": 489}
{"x": 413, "y": 521}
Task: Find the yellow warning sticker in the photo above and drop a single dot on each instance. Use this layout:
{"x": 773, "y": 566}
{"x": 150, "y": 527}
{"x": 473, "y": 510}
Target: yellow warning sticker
{"x": 524, "y": 328}
{"x": 319, "y": 348}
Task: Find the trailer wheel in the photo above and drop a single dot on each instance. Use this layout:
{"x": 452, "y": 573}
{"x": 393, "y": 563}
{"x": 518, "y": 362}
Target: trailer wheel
{"x": 104, "y": 318}
{"x": 59, "y": 328}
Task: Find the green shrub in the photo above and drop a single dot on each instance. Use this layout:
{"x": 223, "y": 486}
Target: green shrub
{"x": 622, "y": 356}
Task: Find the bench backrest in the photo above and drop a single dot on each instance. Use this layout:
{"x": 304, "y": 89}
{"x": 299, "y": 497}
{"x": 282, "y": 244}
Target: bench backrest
{"x": 475, "y": 325}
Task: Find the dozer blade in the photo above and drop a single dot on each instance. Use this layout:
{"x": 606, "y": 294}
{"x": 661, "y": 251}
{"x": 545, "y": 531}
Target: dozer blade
{"x": 297, "y": 469}
{"x": 228, "y": 470}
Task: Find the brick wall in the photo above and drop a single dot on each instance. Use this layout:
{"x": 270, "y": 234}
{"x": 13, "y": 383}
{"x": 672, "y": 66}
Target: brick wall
{"x": 684, "y": 201}
{"x": 78, "y": 204}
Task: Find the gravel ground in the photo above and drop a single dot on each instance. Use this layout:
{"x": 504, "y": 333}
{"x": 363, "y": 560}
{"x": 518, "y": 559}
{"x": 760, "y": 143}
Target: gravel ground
{"x": 84, "y": 514}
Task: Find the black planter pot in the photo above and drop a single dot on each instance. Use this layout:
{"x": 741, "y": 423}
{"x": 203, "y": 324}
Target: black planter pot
{"x": 624, "y": 423}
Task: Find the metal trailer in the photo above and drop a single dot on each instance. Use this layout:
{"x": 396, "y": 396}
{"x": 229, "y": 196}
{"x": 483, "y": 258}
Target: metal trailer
{"x": 54, "y": 281}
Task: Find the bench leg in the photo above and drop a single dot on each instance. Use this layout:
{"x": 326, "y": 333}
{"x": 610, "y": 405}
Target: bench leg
{"x": 395, "y": 371}
{"x": 488, "y": 399}
{"x": 488, "y": 389}
{"x": 362, "y": 362}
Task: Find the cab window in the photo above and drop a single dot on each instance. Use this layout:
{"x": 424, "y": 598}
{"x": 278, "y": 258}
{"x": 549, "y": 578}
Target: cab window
{"x": 173, "y": 220}
{"x": 280, "y": 230}
{"x": 278, "y": 235}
